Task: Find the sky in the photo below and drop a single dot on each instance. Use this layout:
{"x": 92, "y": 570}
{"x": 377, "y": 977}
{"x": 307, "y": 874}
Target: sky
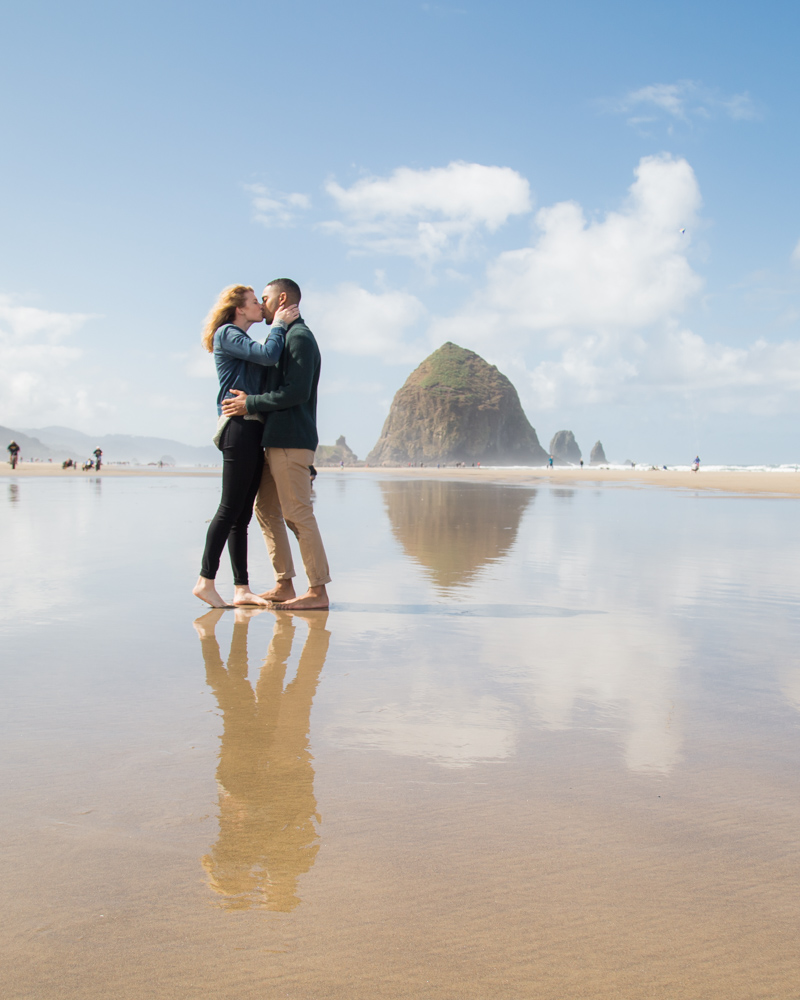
{"x": 600, "y": 199}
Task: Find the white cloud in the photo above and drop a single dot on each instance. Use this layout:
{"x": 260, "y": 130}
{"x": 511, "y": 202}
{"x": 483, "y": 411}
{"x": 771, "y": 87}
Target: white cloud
{"x": 740, "y": 107}
{"x": 684, "y": 101}
{"x": 714, "y": 367}
{"x": 624, "y": 272}
{"x": 427, "y": 214}
{"x": 591, "y": 312}
{"x": 275, "y": 209}
{"x": 607, "y": 277}
{"x": 34, "y": 362}
{"x": 668, "y": 97}
{"x": 24, "y": 323}
{"x": 760, "y": 378}
{"x": 355, "y": 321}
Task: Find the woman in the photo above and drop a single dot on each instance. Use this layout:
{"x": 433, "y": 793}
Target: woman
{"x": 240, "y": 365}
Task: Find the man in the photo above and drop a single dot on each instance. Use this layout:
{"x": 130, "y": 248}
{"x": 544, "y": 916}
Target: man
{"x": 289, "y": 407}
{"x": 13, "y": 452}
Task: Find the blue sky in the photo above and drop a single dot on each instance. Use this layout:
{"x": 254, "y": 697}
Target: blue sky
{"x": 512, "y": 176}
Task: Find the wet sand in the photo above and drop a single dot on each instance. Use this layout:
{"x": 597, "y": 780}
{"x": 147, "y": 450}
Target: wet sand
{"x": 784, "y": 483}
{"x": 544, "y": 744}
{"x": 778, "y": 483}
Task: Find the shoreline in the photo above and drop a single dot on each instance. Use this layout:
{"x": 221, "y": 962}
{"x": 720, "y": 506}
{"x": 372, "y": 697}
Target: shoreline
{"x": 739, "y": 481}
{"x": 54, "y": 470}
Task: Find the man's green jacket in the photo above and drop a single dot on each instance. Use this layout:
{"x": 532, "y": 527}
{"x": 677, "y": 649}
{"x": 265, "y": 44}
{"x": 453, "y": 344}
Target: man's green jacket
{"x": 289, "y": 404}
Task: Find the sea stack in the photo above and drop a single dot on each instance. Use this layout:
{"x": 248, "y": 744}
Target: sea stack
{"x": 564, "y": 447}
{"x": 457, "y": 408}
{"x": 598, "y": 456}
{"x": 336, "y": 454}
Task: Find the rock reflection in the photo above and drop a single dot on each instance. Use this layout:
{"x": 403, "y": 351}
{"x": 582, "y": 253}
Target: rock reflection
{"x": 267, "y": 809}
{"x": 455, "y": 529}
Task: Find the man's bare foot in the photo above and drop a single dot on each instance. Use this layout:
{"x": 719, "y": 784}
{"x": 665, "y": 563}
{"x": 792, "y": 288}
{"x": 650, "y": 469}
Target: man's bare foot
{"x": 206, "y": 591}
{"x": 282, "y": 591}
{"x": 205, "y": 624}
{"x": 244, "y": 595}
{"x": 315, "y": 599}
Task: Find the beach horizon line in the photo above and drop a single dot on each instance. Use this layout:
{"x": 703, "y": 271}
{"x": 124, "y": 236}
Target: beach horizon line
{"x": 776, "y": 482}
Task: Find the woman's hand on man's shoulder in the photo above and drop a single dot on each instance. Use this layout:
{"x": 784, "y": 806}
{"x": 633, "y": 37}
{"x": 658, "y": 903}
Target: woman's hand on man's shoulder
{"x": 287, "y": 314}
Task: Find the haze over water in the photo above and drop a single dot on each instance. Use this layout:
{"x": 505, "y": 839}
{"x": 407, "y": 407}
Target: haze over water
{"x": 544, "y": 744}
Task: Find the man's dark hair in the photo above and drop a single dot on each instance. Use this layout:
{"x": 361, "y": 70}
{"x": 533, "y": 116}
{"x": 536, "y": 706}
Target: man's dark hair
{"x": 291, "y": 288}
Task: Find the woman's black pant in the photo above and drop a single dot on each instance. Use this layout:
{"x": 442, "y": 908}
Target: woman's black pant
{"x": 242, "y": 465}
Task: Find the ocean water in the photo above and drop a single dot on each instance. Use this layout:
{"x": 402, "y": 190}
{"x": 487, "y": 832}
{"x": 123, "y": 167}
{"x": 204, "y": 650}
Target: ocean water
{"x": 545, "y": 743}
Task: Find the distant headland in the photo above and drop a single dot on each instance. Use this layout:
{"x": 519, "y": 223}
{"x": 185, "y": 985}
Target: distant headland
{"x": 56, "y": 444}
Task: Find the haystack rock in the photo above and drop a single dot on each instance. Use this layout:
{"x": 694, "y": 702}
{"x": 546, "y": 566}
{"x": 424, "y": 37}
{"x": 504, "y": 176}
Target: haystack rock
{"x": 457, "y": 408}
{"x": 598, "y": 456}
{"x": 564, "y": 447}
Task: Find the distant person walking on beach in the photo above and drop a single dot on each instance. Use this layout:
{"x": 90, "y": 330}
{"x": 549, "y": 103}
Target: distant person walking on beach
{"x": 289, "y": 407}
{"x": 13, "y": 452}
{"x": 98, "y": 458}
{"x": 241, "y": 363}
{"x": 696, "y": 465}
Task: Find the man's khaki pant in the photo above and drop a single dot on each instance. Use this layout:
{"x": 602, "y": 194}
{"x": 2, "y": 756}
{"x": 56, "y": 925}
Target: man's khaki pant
{"x": 284, "y": 499}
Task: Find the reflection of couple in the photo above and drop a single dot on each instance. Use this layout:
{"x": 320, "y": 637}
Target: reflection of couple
{"x": 267, "y": 405}
{"x": 267, "y": 810}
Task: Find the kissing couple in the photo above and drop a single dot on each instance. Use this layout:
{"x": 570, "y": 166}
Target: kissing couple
{"x": 267, "y": 433}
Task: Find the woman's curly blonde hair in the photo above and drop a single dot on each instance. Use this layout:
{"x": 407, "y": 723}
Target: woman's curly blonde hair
{"x": 223, "y": 311}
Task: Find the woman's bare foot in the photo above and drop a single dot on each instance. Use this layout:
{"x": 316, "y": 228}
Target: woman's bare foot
{"x": 206, "y": 591}
{"x": 282, "y": 591}
{"x": 205, "y": 624}
{"x": 315, "y": 599}
{"x": 244, "y": 595}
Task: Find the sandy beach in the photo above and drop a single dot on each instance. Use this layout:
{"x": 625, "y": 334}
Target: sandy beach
{"x": 743, "y": 481}
{"x": 544, "y": 744}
